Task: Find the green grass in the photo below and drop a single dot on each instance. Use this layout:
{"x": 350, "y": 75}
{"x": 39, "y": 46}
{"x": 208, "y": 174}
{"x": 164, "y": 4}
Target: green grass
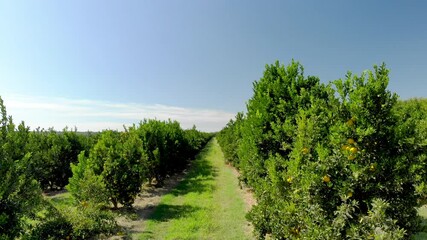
{"x": 62, "y": 200}
{"x": 207, "y": 204}
{"x": 422, "y": 212}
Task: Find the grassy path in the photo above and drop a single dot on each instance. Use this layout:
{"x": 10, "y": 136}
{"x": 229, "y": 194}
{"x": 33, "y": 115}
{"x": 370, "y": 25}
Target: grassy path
{"x": 207, "y": 204}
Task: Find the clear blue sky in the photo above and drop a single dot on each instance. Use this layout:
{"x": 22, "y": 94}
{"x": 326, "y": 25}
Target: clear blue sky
{"x": 197, "y": 56}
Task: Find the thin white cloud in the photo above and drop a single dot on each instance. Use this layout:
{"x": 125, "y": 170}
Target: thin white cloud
{"x": 98, "y": 115}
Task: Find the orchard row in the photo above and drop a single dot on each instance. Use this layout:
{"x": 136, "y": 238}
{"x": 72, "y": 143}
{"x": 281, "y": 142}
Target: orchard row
{"x": 97, "y": 168}
{"x": 343, "y": 160}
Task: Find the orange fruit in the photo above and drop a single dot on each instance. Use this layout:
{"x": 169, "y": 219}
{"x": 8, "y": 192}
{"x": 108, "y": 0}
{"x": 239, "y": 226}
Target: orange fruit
{"x": 305, "y": 150}
{"x": 326, "y": 179}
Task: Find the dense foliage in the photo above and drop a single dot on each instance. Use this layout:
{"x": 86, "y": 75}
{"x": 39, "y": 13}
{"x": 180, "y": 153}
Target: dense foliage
{"x": 413, "y": 121}
{"x": 168, "y": 147}
{"x": 120, "y": 162}
{"x": 19, "y": 192}
{"x": 52, "y": 153}
{"x": 229, "y": 139}
{"x": 330, "y": 161}
{"x": 116, "y": 164}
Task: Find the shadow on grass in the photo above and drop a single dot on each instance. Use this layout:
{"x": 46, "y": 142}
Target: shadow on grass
{"x": 165, "y": 212}
{"x": 62, "y": 200}
{"x": 198, "y": 179}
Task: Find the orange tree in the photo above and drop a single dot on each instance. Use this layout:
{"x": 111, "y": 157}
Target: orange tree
{"x": 229, "y": 138}
{"x": 413, "y": 121}
{"x": 20, "y": 194}
{"x": 120, "y": 162}
{"x": 114, "y": 167}
{"x": 168, "y": 147}
{"x": 328, "y": 161}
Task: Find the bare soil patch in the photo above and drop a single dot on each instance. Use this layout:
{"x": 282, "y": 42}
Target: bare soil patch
{"x": 248, "y": 195}
{"x": 132, "y": 221}
{"x": 52, "y": 193}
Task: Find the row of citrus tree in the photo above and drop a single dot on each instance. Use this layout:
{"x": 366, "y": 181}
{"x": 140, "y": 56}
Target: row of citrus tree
{"x": 120, "y": 162}
{"x": 340, "y": 160}
{"x": 98, "y": 169}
